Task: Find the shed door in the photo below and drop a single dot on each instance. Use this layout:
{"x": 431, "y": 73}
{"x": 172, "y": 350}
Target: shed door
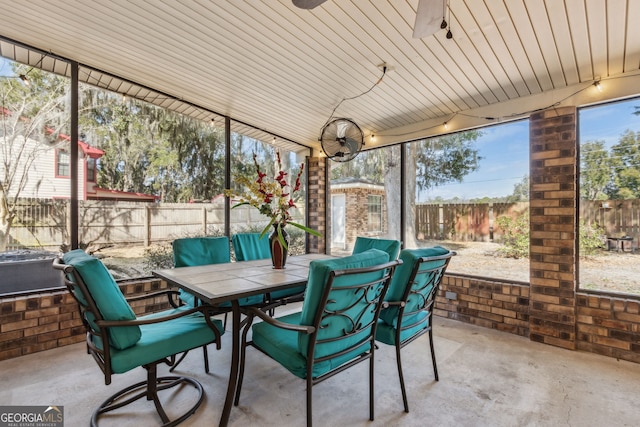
{"x": 338, "y": 213}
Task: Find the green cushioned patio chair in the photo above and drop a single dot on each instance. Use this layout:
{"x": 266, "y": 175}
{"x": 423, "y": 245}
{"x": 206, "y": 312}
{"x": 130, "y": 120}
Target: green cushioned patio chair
{"x": 390, "y": 246}
{"x": 249, "y": 246}
{"x": 119, "y": 341}
{"x": 335, "y": 329}
{"x": 407, "y": 311}
{"x": 195, "y": 251}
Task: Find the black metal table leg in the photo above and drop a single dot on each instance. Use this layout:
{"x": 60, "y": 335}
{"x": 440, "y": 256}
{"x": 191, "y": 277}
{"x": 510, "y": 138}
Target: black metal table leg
{"x": 233, "y": 371}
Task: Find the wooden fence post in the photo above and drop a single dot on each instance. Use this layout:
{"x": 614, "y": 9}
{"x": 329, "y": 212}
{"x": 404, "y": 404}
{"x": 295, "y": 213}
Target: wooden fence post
{"x": 147, "y": 222}
{"x": 204, "y": 220}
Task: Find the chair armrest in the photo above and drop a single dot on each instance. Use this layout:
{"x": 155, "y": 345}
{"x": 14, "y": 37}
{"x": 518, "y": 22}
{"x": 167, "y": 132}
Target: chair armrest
{"x": 205, "y": 309}
{"x": 387, "y": 304}
{"x": 169, "y": 293}
{"x": 275, "y": 322}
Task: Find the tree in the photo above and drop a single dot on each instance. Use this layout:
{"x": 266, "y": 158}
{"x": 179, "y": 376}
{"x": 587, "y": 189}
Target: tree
{"x": 626, "y": 165}
{"x": 595, "y": 170}
{"x": 520, "y": 191}
{"x": 432, "y": 162}
{"x": 152, "y": 150}
{"x": 31, "y": 118}
{"x": 200, "y": 149}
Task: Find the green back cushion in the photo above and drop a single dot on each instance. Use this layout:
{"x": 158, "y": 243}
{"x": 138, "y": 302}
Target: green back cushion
{"x": 392, "y": 247}
{"x": 402, "y": 275}
{"x": 318, "y": 276}
{"x": 249, "y": 246}
{"x": 107, "y": 296}
{"x": 193, "y": 251}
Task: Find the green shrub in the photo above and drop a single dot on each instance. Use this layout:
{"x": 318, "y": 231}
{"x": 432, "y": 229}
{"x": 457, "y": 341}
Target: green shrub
{"x": 160, "y": 256}
{"x": 515, "y": 237}
{"x": 591, "y": 238}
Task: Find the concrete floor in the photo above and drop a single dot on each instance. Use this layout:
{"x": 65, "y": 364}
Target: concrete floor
{"x": 487, "y": 378}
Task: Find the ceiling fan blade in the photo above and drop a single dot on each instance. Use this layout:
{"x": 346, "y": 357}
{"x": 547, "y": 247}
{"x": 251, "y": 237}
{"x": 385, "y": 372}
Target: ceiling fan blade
{"x": 428, "y": 18}
{"x": 307, "y": 4}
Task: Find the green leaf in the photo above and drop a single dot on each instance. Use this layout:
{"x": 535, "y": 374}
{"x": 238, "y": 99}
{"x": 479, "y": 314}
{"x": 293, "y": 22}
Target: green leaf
{"x": 306, "y": 229}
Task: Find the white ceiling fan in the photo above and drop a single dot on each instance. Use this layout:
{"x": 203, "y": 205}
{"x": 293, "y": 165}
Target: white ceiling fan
{"x": 429, "y": 16}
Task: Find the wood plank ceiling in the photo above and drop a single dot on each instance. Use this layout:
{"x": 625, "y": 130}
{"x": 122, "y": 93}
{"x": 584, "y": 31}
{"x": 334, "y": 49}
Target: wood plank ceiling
{"x": 284, "y": 69}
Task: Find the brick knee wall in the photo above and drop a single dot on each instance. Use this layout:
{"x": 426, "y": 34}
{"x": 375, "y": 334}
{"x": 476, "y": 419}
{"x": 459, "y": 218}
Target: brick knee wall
{"x": 489, "y": 303}
{"x": 38, "y": 322}
{"x": 609, "y": 326}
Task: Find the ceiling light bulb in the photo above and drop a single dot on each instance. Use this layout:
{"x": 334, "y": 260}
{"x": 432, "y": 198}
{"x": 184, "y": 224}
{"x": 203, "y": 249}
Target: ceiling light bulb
{"x": 373, "y": 138}
{"x": 446, "y": 125}
{"x": 24, "y": 79}
{"x": 443, "y": 24}
{"x": 449, "y": 34}
{"x": 124, "y": 97}
{"x": 598, "y": 86}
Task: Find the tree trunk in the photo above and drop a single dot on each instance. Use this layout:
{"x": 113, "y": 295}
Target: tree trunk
{"x": 393, "y": 195}
{"x": 392, "y": 190}
{"x": 410, "y": 194}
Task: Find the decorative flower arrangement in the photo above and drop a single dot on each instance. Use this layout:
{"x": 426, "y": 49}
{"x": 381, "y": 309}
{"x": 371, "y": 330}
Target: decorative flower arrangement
{"x": 273, "y": 197}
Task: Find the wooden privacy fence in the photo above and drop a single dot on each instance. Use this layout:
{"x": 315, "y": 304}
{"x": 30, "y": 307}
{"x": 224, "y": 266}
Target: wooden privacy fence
{"x": 617, "y": 217}
{"x": 43, "y": 223}
{"x": 476, "y": 221}
{"x": 464, "y": 221}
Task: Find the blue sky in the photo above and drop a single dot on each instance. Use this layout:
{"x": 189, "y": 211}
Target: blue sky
{"x": 5, "y": 67}
{"x": 505, "y": 150}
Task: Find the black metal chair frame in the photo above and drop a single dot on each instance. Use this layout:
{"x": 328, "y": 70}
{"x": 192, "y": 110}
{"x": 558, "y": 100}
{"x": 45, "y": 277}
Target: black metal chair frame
{"x": 148, "y": 389}
{"x": 426, "y": 304}
{"x": 323, "y": 314}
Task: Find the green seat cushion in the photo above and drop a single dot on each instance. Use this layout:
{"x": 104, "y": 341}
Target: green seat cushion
{"x": 402, "y": 275}
{"x": 281, "y": 345}
{"x": 387, "y": 333}
{"x": 107, "y": 295}
{"x": 249, "y": 246}
{"x": 392, "y": 247}
{"x": 318, "y": 276}
{"x": 163, "y": 339}
{"x": 287, "y": 292}
{"x": 252, "y": 300}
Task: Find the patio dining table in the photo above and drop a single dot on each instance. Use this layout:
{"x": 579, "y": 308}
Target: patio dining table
{"x": 218, "y": 283}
